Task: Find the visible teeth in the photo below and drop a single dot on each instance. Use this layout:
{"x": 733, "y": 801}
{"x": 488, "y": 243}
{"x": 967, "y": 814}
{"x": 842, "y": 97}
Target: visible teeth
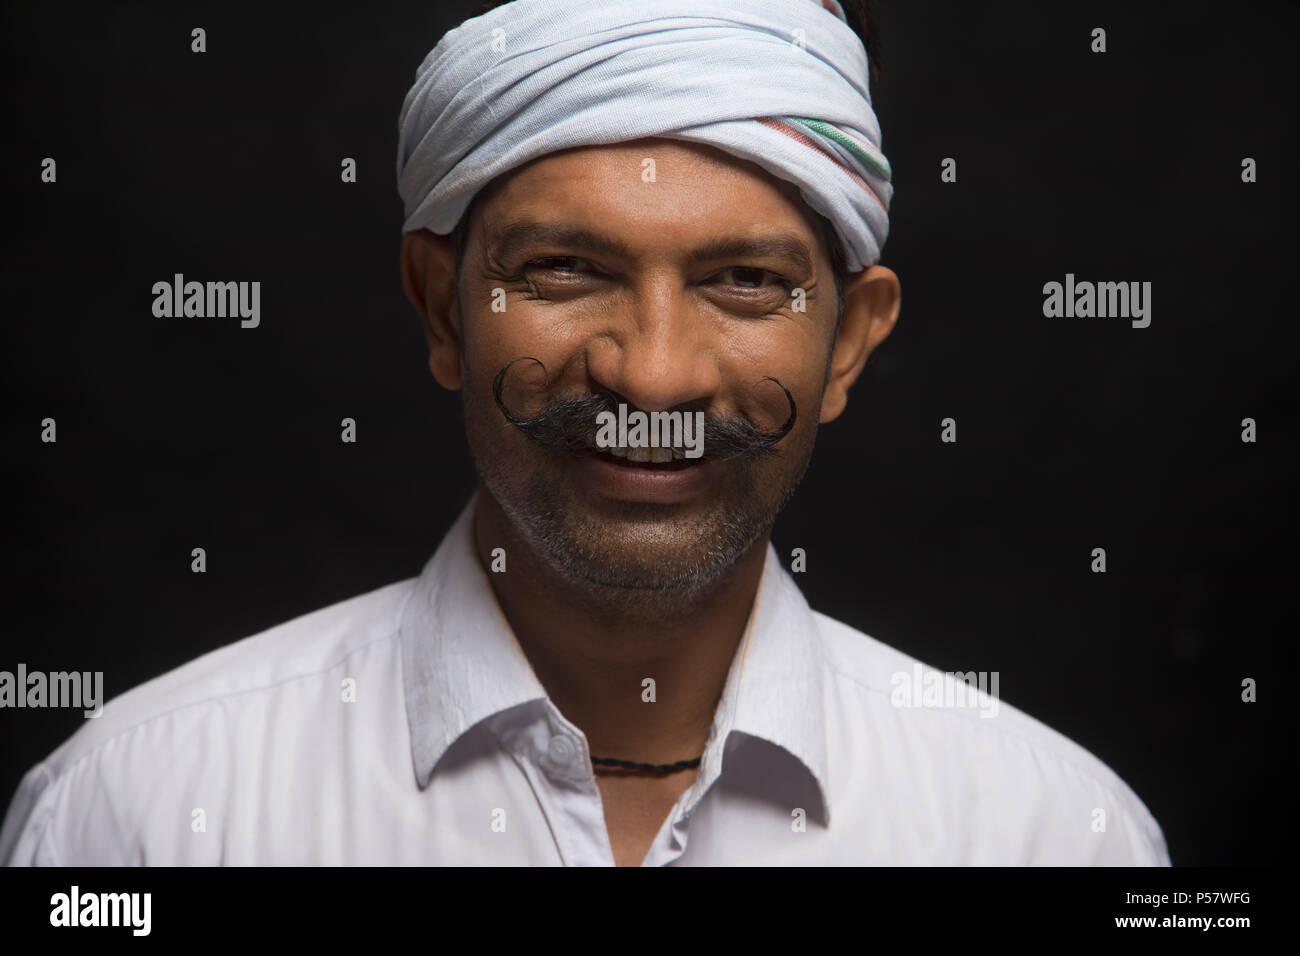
{"x": 647, "y": 453}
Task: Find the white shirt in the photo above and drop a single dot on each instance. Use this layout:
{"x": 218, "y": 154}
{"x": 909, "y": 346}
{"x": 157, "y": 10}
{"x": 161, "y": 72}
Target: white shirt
{"x": 405, "y": 726}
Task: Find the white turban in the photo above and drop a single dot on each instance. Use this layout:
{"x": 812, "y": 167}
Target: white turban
{"x": 781, "y": 83}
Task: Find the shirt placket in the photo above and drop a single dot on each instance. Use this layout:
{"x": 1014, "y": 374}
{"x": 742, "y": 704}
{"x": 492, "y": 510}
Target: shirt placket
{"x": 553, "y": 755}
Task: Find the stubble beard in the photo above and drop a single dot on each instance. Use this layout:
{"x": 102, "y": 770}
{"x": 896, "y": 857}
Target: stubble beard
{"x": 643, "y": 556}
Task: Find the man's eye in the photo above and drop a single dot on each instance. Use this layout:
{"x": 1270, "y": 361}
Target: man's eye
{"x": 749, "y": 277}
{"x": 562, "y": 264}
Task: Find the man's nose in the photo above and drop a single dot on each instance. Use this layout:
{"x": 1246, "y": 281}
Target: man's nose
{"x": 659, "y": 350}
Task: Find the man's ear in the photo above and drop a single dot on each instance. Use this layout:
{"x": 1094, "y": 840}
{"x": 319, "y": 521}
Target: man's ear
{"x": 429, "y": 279}
{"x": 871, "y": 302}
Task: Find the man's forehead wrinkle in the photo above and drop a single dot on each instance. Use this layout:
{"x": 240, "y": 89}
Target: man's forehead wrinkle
{"x": 676, "y": 163}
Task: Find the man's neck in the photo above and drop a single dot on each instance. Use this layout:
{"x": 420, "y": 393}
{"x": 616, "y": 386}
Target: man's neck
{"x": 593, "y": 655}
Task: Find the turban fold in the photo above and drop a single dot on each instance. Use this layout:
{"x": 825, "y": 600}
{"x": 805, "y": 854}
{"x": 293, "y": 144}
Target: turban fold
{"x": 781, "y": 83}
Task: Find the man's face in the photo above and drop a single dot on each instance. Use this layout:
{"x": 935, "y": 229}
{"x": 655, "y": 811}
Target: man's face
{"x": 660, "y": 304}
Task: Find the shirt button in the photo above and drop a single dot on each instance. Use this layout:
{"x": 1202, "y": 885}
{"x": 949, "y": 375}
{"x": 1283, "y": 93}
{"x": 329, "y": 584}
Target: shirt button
{"x": 560, "y": 749}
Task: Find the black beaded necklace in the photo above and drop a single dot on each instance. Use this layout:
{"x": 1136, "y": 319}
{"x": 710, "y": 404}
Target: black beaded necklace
{"x": 656, "y": 768}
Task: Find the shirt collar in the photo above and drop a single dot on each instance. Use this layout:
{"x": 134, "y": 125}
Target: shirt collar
{"x": 775, "y": 690}
{"x": 462, "y": 664}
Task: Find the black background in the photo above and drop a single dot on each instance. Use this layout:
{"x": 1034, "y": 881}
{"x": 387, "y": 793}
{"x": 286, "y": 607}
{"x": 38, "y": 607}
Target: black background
{"x": 1073, "y": 433}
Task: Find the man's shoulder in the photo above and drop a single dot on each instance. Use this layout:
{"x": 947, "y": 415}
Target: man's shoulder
{"x": 959, "y": 721}
{"x": 301, "y": 648}
{"x": 895, "y": 679}
{"x": 89, "y": 800}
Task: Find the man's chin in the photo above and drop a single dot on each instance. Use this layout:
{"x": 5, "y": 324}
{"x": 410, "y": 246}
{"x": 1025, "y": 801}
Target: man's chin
{"x": 643, "y": 551}
{"x": 637, "y": 546}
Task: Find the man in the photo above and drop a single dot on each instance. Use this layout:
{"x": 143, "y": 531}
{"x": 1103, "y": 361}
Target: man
{"x": 673, "y": 211}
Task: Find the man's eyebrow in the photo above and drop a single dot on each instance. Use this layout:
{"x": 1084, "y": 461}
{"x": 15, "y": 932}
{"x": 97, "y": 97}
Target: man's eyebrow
{"x": 785, "y": 246}
{"x": 517, "y": 235}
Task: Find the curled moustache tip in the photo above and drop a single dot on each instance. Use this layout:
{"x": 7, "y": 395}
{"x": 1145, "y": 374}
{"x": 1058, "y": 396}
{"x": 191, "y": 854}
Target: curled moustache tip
{"x": 498, "y": 384}
{"x": 789, "y": 422}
